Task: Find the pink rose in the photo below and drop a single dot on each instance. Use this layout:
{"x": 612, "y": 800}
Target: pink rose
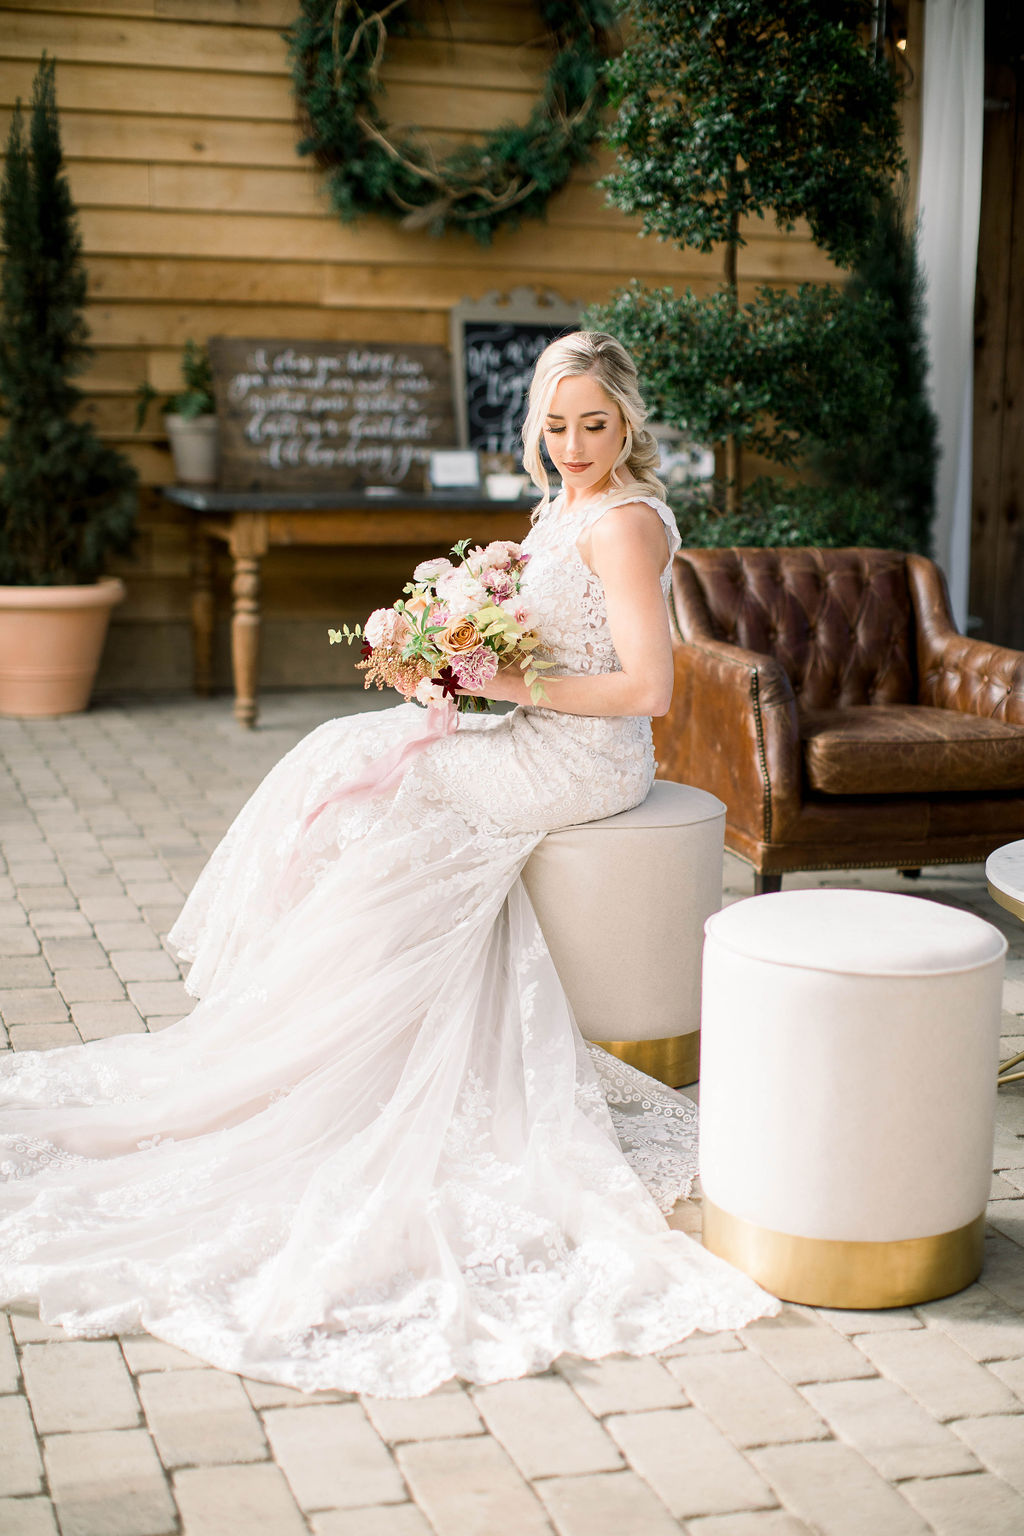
{"x": 501, "y": 553}
{"x": 474, "y": 669}
{"x": 385, "y": 627}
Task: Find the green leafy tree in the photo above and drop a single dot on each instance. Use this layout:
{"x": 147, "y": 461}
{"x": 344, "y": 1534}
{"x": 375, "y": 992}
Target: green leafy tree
{"x": 66, "y": 499}
{"x": 730, "y": 111}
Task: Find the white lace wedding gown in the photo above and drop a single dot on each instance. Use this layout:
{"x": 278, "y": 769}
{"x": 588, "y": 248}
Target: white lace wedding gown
{"x": 378, "y": 1153}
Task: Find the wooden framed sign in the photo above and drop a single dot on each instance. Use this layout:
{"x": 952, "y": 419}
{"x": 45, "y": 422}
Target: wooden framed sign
{"x": 325, "y": 415}
{"x": 495, "y": 344}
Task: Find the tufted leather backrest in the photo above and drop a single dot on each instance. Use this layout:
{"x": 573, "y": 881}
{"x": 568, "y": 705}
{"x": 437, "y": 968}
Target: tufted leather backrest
{"x": 840, "y": 621}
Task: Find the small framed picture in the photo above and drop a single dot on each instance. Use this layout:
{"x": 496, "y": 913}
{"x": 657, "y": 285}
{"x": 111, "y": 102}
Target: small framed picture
{"x": 454, "y": 469}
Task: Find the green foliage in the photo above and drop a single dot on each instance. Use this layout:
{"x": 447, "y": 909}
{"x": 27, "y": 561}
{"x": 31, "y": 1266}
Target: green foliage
{"x": 731, "y": 109}
{"x": 66, "y": 499}
{"x": 196, "y": 399}
{"x": 893, "y": 448}
{"x": 774, "y": 513}
{"x": 336, "y": 54}
{"x": 775, "y": 373}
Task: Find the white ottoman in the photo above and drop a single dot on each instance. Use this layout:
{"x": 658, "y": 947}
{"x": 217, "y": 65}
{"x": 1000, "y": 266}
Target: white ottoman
{"x": 622, "y": 904}
{"x": 848, "y": 1078}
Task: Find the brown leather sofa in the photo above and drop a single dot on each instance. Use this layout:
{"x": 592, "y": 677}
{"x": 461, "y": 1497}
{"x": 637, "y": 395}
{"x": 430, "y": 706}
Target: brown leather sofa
{"x": 827, "y": 697}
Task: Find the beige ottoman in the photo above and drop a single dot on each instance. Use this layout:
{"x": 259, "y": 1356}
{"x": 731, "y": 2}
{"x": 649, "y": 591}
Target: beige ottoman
{"x": 848, "y": 1074}
{"x": 622, "y": 904}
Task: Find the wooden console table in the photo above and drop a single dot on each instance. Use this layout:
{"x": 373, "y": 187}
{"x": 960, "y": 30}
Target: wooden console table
{"x": 251, "y": 522}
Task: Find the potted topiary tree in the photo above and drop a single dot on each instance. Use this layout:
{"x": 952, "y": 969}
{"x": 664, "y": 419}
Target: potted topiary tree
{"x": 66, "y": 499}
{"x": 189, "y": 418}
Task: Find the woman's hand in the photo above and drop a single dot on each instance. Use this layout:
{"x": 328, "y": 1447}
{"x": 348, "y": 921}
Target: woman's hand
{"x": 505, "y": 687}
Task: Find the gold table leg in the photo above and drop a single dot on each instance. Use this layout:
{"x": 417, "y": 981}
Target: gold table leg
{"x": 1005, "y": 1066}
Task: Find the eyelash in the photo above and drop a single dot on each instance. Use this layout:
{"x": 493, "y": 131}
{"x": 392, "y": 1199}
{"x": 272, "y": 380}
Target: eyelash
{"x": 557, "y": 431}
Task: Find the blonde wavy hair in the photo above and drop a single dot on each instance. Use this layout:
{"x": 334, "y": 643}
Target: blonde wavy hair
{"x": 607, "y": 361}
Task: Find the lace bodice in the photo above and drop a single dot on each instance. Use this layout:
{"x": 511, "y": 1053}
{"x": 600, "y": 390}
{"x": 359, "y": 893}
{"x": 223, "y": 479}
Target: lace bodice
{"x": 567, "y": 595}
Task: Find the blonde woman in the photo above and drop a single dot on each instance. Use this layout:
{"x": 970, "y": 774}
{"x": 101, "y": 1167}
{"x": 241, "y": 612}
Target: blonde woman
{"x": 378, "y": 1153}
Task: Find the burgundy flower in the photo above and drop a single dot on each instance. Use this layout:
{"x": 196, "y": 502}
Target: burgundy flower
{"x": 449, "y": 684}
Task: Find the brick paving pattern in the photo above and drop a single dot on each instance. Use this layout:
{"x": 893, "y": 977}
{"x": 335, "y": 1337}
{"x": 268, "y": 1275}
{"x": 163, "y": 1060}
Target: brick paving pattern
{"x": 840, "y": 1423}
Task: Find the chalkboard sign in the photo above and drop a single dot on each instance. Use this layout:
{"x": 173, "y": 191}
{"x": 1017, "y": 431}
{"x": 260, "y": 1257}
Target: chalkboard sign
{"x": 322, "y": 415}
{"x": 495, "y": 345}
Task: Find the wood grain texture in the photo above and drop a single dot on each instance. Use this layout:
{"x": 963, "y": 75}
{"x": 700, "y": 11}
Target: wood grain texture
{"x": 133, "y": 325}
{"x": 118, "y": 88}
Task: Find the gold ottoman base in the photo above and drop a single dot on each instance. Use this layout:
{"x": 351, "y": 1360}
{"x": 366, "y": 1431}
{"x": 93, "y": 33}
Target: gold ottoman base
{"x": 674, "y": 1059}
{"x": 821, "y": 1272}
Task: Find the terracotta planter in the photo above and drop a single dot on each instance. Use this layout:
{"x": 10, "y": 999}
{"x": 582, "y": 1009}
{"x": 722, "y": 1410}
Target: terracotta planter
{"x": 194, "y": 444}
{"x": 50, "y": 644}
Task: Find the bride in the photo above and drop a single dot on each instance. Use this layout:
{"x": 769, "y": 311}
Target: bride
{"x": 378, "y": 1153}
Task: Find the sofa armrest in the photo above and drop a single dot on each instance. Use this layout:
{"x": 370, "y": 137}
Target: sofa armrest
{"x": 955, "y": 672}
{"x": 732, "y": 729}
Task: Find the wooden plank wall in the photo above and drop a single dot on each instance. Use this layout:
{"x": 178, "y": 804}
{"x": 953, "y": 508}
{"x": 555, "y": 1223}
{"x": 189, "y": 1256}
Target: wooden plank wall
{"x": 199, "y": 218}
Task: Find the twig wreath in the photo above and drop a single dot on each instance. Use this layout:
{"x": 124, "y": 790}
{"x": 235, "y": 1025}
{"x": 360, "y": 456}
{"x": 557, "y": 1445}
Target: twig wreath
{"x": 337, "y": 48}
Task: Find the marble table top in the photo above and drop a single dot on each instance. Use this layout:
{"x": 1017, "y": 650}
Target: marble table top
{"x": 1004, "y": 871}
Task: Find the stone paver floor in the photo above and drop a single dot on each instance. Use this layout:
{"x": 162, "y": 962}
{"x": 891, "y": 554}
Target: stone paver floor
{"x": 847, "y": 1424}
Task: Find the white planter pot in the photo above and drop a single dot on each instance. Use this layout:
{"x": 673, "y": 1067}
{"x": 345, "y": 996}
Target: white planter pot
{"x": 194, "y": 444}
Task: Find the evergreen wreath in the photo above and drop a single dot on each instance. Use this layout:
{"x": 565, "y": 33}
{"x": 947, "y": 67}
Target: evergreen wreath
{"x": 337, "y": 48}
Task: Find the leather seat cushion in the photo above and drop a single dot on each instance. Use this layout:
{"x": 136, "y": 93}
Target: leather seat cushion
{"x": 897, "y": 749}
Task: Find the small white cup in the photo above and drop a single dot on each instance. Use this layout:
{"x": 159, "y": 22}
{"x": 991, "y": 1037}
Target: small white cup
{"x": 504, "y": 487}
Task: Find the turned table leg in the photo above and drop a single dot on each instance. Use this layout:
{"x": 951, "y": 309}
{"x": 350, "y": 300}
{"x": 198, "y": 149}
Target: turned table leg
{"x": 245, "y": 636}
{"x": 202, "y": 612}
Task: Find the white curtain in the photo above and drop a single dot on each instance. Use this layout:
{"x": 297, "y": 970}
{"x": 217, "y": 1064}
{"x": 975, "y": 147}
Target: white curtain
{"x": 949, "y": 203}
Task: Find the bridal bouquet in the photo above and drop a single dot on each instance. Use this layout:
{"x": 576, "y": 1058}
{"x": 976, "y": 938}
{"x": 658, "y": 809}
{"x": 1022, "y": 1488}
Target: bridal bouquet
{"x": 461, "y": 620}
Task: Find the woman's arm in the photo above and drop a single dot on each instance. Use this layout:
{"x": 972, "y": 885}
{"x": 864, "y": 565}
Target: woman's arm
{"x": 627, "y": 549}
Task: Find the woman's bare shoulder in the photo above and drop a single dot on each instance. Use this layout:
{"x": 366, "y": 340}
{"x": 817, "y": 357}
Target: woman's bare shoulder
{"x": 629, "y": 520}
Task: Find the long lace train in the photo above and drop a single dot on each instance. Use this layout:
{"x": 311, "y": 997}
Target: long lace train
{"x": 378, "y": 1153}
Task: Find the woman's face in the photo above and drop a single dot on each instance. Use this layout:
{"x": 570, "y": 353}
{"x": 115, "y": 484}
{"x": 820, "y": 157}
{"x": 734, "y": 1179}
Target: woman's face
{"x": 584, "y": 433}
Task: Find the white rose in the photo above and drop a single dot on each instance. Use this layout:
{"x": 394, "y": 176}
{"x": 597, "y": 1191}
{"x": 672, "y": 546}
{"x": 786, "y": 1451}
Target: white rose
{"x": 430, "y": 570}
{"x": 461, "y": 591}
{"x": 428, "y": 692}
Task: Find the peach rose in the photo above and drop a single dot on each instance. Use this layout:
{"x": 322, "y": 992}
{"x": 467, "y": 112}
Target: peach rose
{"x": 461, "y": 636}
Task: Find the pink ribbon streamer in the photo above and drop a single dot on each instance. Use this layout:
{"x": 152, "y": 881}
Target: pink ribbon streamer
{"x": 388, "y": 771}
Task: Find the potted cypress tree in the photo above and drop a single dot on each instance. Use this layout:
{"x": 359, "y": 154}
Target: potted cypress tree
{"x": 66, "y": 499}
